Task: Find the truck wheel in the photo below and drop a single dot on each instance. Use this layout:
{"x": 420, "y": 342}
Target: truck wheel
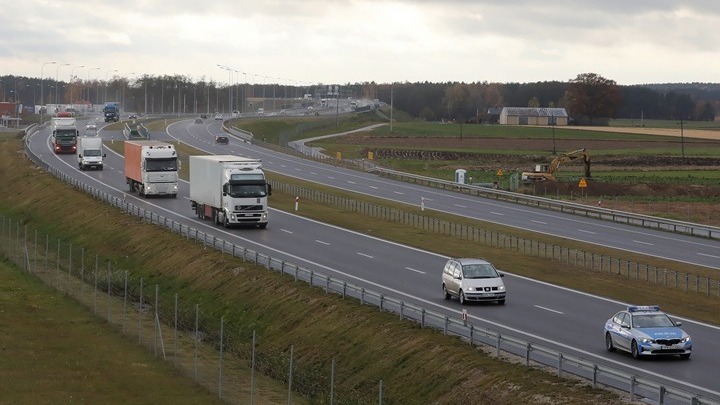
{"x": 131, "y": 185}
{"x": 141, "y": 192}
{"x": 216, "y": 216}
{"x": 226, "y": 222}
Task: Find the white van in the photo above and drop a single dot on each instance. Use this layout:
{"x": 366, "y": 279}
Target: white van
{"x": 472, "y": 280}
{"x": 90, "y": 152}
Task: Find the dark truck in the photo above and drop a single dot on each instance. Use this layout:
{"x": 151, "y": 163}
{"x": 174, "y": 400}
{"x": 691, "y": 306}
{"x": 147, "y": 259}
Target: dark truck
{"x": 111, "y": 112}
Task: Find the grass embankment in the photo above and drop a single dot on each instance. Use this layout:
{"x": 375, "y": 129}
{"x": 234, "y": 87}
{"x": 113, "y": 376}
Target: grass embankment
{"x": 416, "y": 366}
{"x": 55, "y": 351}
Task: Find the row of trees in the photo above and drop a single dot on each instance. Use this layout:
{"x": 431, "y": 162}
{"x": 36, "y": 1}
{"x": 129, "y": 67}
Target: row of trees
{"x": 588, "y": 98}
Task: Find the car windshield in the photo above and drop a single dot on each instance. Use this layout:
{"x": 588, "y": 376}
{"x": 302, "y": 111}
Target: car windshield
{"x": 480, "y": 270}
{"x": 652, "y": 321}
{"x": 92, "y": 152}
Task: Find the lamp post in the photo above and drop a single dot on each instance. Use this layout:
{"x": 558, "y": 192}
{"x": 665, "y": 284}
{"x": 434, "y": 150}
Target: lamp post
{"x": 42, "y": 100}
{"x": 106, "y": 85}
{"x": 16, "y": 97}
{"x": 72, "y": 93}
{"x": 88, "y": 84}
{"x": 57, "y": 71}
{"x": 244, "y": 100}
{"x": 229, "y": 86}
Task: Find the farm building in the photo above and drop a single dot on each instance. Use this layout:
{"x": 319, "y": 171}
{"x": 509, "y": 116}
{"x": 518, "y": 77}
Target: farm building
{"x": 533, "y": 116}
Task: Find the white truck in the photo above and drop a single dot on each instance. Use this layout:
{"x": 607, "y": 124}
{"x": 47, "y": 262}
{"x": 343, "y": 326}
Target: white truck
{"x": 64, "y": 135}
{"x": 90, "y": 152}
{"x": 230, "y": 190}
{"x": 151, "y": 168}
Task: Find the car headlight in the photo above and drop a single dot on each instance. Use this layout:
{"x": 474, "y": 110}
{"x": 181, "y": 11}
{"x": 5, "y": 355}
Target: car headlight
{"x": 501, "y": 288}
{"x": 685, "y": 339}
{"x": 471, "y": 288}
{"x": 646, "y": 340}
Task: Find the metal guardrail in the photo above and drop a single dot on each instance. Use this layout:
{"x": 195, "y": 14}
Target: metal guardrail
{"x": 533, "y": 353}
{"x": 605, "y": 214}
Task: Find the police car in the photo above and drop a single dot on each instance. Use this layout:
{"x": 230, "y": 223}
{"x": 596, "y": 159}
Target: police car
{"x": 646, "y": 331}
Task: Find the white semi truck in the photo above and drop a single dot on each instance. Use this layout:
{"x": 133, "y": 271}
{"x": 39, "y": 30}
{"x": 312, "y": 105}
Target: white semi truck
{"x": 230, "y": 190}
{"x": 151, "y": 168}
{"x": 90, "y": 152}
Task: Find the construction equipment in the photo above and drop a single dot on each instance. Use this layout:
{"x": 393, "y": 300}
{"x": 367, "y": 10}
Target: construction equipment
{"x": 545, "y": 172}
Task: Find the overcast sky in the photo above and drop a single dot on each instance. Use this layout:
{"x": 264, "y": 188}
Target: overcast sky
{"x": 348, "y": 41}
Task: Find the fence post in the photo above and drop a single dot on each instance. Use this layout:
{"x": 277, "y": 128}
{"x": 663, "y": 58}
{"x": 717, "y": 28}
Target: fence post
{"x": 155, "y": 324}
{"x": 108, "y": 291}
{"x": 252, "y": 371}
{"x": 175, "y": 332}
{"x": 197, "y": 314}
{"x": 290, "y": 376}
{"x": 560, "y": 364}
{"x": 332, "y": 380}
{"x": 140, "y": 312}
{"x": 125, "y": 293}
{"x": 222, "y": 329}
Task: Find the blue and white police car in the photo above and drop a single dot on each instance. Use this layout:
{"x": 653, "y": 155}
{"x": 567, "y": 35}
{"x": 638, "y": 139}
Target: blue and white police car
{"x": 646, "y": 331}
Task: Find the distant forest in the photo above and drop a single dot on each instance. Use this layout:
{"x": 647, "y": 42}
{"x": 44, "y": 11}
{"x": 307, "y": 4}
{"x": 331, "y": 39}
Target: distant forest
{"x": 469, "y": 102}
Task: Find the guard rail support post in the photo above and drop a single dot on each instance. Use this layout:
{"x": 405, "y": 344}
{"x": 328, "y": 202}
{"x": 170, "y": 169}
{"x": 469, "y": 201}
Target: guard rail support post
{"x": 497, "y": 345}
{"x": 445, "y": 325}
{"x": 633, "y": 383}
{"x": 382, "y": 299}
{"x": 297, "y": 270}
{"x": 233, "y": 245}
{"x": 402, "y": 306}
{"x": 344, "y": 289}
{"x": 327, "y": 284}
{"x": 560, "y": 364}
{"x": 422, "y": 318}
{"x": 362, "y": 296}
{"x": 312, "y": 273}
{"x": 661, "y": 399}
{"x": 528, "y": 349}
{"x": 282, "y": 267}
{"x": 594, "y": 376}
{"x": 695, "y": 401}
{"x": 472, "y": 333}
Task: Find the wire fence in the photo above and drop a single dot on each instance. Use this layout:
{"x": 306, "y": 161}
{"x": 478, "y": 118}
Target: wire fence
{"x": 585, "y": 260}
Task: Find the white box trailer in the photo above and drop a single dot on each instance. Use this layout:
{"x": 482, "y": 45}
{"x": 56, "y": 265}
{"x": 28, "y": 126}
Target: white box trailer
{"x": 231, "y": 190}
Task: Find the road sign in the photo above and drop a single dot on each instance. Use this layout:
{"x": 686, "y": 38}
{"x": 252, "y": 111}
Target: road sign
{"x": 499, "y": 172}
{"x": 582, "y": 183}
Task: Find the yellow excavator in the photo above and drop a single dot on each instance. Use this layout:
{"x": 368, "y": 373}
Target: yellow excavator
{"x": 545, "y": 172}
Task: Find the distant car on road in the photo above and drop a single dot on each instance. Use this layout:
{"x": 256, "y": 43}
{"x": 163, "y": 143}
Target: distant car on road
{"x": 235, "y": 114}
{"x": 92, "y": 127}
{"x": 218, "y": 116}
{"x": 646, "y": 331}
{"x": 132, "y": 116}
{"x": 198, "y": 120}
{"x": 203, "y": 116}
{"x": 222, "y": 138}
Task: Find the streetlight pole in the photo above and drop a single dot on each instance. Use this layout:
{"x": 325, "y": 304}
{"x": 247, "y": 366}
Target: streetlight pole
{"x": 106, "y": 84}
{"x": 244, "y": 100}
{"x": 88, "y": 84}
{"x": 57, "y": 71}
{"x": 42, "y": 100}
{"x": 229, "y": 85}
{"x": 72, "y": 93}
